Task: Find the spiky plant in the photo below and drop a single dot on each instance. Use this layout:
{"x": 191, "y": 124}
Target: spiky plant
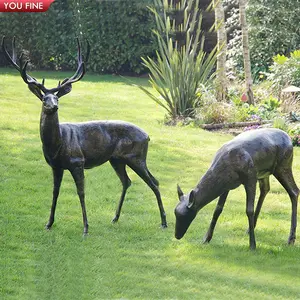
{"x": 179, "y": 71}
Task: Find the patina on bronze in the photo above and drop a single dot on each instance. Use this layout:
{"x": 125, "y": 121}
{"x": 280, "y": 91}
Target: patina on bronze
{"x": 250, "y": 157}
{"x": 79, "y": 146}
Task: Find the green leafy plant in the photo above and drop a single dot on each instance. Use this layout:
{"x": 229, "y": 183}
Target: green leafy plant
{"x": 178, "y": 71}
{"x": 269, "y": 108}
{"x": 281, "y": 123}
{"x": 244, "y": 112}
{"x": 273, "y": 28}
{"x": 295, "y": 135}
{"x": 285, "y": 70}
{"x": 280, "y": 59}
{"x": 215, "y": 113}
{"x": 270, "y": 103}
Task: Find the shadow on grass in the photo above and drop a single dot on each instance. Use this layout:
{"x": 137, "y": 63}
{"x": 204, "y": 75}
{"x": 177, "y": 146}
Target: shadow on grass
{"x": 226, "y": 264}
{"x": 189, "y": 270}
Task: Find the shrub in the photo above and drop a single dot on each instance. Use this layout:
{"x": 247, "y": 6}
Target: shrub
{"x": 281, "y": 123}
{"x": 179, "y": 71}
{"x": 273, "y": 28}
{"x": 295, "y": 135}
{"x": 270, "y": 103}
{"x": 241, "y": 114}
{"x": 285, "y": 71}
{"x": 269, "y": 108}
{"x": 215, "y": 113}
{"x": 296, "y": 140}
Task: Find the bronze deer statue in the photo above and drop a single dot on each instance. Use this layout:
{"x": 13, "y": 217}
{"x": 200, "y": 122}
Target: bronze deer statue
{"x": 79, "y": 146}
{"x": 250, "y": 157}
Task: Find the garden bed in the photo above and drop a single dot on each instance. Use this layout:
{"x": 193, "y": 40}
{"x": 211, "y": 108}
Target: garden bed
{"x": 235, "y": 128}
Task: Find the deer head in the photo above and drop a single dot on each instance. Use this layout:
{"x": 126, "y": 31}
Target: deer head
{"x": 49, "y": 97}
{"x": 184, "y": 212}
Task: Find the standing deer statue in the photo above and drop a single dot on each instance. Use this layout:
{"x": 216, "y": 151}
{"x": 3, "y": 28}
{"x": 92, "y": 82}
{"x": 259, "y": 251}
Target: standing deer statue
{"x": 250, "y": 157}
{"x": 79, "y": 146}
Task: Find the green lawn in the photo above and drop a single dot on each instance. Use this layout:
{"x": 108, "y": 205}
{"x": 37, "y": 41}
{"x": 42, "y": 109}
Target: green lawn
{"x": 133, "y": 259}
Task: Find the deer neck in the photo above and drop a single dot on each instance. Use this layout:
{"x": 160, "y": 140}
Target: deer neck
{"x": 50, "y": 133}
{"x": 208, "y": 189}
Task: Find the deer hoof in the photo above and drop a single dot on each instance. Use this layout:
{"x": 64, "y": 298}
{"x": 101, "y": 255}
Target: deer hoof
{"x": 164, "y": 226}
{"x": 115, "y": 219}
{"x": 48, "y": 226}
{"x": 206, "y": 239}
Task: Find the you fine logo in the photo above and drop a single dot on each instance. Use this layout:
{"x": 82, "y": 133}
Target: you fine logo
{"x": 25, "y": 5}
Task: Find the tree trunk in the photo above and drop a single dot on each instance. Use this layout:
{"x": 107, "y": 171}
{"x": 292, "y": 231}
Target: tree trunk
{"x": 246, "y": 52}
{"x": 221, "y": 80}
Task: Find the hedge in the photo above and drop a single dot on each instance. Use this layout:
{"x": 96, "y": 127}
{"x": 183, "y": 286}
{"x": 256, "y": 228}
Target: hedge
{"x": 120, "y": 32}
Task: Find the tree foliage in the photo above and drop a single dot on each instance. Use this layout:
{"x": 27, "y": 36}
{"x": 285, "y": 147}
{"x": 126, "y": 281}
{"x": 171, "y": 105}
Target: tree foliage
{"x": 285, "y": 71}
{"x": 274, "y": 28}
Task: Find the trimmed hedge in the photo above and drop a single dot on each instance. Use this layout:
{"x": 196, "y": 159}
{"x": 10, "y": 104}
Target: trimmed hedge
{"x": 120, "y": 32}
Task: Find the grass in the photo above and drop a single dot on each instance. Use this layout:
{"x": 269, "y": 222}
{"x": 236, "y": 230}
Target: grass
{"x": 133, "y": 259}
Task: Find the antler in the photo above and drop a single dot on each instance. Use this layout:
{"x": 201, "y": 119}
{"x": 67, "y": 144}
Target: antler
{"x": 12, "y": 59}
{"x": 62, "y": 88}
{"x": 21, "y": 67}
{"x": 66, "y": 83}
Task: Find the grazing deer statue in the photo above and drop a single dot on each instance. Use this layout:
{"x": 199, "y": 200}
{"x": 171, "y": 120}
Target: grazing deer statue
{"x": 79, "y": 146}
{"x": 250, "y": 157}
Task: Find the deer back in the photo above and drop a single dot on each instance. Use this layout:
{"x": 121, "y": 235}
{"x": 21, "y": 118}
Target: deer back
{"x": 262, "y": 149}
{"x": 95, "y": 142}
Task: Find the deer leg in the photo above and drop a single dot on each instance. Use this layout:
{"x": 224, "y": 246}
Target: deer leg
{"x": 286, "y": 179}
{"x": 264, "y": 186}
{"x": 140, "y": 168}
{"x": 155, "y": 181}
{"x": 78, "y": 175}
{"x": 120, "y": 169}
{"x": 250, "y": 188}
{"x": 217, "y": 212}
{"x": 57, "y": 178}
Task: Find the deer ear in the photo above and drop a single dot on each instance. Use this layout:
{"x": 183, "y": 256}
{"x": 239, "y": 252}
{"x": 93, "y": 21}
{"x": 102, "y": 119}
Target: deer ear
{"x": 64, "y": 90}
{"x": 191, "y": 199}
{"x": 35, "y": 90}
{"x": 179, "y": 192}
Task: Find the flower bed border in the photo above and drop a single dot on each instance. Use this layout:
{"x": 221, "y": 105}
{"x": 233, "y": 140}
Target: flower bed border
{"x": 233, "y": 125}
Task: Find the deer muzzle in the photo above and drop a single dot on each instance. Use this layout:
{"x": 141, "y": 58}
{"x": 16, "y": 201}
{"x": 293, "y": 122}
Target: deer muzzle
{"x": 50, "y": 109}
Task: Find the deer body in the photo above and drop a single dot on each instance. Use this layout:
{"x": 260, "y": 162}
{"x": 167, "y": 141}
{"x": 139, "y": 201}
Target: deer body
{"x": 89, "y": 144}
{"x": 79, "y": 146}
{"x": 250, "y": 157}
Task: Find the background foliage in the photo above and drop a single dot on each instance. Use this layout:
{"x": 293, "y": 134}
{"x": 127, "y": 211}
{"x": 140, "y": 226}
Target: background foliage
{"x": 274, "y": 28}
{"x": 119, "y": 32}
{"x": 285, "y": 71}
